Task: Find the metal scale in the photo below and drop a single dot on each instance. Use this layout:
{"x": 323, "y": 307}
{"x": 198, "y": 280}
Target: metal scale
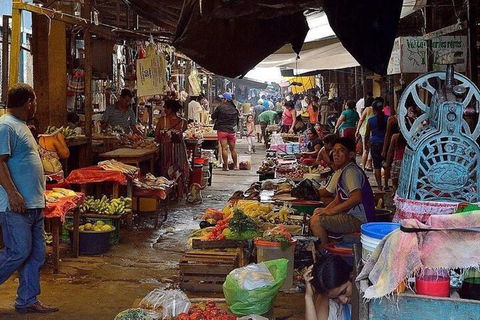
{"x": 442, "y": 156}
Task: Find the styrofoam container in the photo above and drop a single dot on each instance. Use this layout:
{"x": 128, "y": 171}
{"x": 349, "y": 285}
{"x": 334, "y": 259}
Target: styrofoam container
{"x": 372, "y": 234}
{"x": 268, "y": 250}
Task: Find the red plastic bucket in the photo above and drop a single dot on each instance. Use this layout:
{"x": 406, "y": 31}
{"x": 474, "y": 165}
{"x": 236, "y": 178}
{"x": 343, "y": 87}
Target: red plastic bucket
{"x": 199, "y": 160}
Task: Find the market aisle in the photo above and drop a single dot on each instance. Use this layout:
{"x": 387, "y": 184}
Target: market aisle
{"x": 98, "y": 287}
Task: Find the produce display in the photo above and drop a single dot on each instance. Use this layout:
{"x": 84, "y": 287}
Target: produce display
{"x": 278, "y": 234}
{"x": 67, "y": 132}
{"x": 136, "y": 141}
{"x": 206, "y": 311}
{"x": 133, "y": 314}
{"x": 194, "y": 131}
{"x": 98, "y": 226}
{"x": 268, "y": 166}
{"x": 117, "y": 206}
{"x": 58, "y": 193}
{"x": 292, "y": 171}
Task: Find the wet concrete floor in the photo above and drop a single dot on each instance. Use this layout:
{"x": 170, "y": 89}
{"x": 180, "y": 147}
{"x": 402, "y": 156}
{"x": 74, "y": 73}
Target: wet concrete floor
{"x": 99, "y": 287}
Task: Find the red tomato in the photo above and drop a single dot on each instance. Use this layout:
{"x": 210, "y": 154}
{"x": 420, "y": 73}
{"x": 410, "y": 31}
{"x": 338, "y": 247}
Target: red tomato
{"x": 196, "y": 316}
{"x": 183, "y": 316}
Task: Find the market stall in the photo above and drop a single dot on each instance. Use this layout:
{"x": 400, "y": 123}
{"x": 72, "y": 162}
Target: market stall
{"x": 429, "y": 263}
{"x": 58, "y": 203}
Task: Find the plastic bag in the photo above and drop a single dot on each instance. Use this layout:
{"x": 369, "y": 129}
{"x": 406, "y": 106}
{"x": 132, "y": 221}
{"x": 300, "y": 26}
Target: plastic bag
{"x": 162, "y": 303}
{"x": 253, "y": 276}
{"x": 175, "y": 302}
{"x": 258, "y": 301}
{"x": 306, "y": 189}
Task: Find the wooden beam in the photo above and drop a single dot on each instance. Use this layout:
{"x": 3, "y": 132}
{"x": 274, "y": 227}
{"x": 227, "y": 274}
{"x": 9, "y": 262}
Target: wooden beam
{"x": 5, "y": 55}
{"x": 87, "y": 38}
{"x": 15, "y": 45}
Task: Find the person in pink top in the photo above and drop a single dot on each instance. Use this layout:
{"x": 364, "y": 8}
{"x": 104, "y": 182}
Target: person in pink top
{"x": 288, "y": 117}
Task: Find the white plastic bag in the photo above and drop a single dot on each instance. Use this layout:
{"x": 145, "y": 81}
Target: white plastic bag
{"x": 174, "y": 303}
{"x": 253, "y": 276}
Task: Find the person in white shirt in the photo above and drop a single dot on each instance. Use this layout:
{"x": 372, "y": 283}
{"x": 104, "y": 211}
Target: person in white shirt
{"x": 195, "y": 109}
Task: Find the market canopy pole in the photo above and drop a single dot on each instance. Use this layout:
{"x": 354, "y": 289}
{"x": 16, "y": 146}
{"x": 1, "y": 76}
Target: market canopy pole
{"x": 15, "y": 45}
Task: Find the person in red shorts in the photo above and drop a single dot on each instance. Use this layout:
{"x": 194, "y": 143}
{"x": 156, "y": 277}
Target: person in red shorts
{"x": 225, "y": 117}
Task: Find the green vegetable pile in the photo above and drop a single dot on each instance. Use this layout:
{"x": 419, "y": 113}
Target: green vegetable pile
{"x": 241, "y": 227}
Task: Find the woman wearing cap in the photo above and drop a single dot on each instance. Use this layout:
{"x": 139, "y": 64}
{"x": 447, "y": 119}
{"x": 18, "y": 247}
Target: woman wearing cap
{"x": 226, "y": 118}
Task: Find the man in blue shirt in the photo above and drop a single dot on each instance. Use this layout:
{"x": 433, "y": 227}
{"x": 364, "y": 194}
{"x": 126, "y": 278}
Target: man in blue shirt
{"x": 22, "y": 187}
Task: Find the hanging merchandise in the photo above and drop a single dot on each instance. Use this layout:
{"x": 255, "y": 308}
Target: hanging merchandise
{"x": 151, "y": 73}
{"x": 195, "y": 88}
{"x": 76, "y": 82}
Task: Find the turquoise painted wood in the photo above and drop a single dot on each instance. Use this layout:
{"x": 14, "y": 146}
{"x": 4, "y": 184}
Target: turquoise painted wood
{"x": 417, "y": 307}
{"x": 442, "y": 156}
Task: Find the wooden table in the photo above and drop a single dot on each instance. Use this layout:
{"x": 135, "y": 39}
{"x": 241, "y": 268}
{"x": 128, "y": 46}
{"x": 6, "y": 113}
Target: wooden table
{"x": 132, "y": 156}
{"x": 94, "y": 174}
{"x": 55, "y": 212}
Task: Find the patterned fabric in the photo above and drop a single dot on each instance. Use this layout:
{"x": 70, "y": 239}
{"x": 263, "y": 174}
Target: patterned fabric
{"x": 401, "y": 254}
{"x": 421, "y": 210}
{"x": 173, "y": 156}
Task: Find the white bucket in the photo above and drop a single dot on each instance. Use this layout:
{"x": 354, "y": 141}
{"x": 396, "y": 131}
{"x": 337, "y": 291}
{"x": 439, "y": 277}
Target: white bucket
{"x": 368, "y": 246}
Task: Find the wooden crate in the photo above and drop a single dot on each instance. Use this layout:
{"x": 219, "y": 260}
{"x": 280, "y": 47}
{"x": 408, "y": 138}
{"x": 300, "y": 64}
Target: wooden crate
{"x": 206, "y": 270}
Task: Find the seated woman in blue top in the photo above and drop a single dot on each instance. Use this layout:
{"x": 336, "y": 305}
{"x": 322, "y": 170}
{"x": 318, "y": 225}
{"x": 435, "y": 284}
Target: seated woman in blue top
{"x": 328, "y": 289}
{"x": 354, "y": 202}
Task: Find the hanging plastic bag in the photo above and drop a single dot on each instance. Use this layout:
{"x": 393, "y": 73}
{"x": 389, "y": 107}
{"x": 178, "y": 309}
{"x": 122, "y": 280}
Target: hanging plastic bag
{"x": 258, "y": 301}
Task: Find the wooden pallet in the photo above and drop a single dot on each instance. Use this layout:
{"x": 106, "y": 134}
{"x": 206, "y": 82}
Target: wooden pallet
{"x": 217, "y": 244}
{"x": 206, "y": 270}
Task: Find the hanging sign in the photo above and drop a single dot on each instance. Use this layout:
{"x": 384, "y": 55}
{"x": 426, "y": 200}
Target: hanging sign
{"x": 150, "y": 75}
{"x": 409, "y": 54}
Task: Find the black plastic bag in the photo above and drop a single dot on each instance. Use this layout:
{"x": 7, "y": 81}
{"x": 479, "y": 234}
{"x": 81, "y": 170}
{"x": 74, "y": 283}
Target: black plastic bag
{"x": 306, "y": 189}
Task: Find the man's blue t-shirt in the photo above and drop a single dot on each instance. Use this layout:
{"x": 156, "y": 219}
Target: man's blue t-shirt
{"x": 23, "y": 162}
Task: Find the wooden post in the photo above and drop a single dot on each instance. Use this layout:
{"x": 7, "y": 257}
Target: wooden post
{"x": 87, "y": 37}
{"x": 50, "y": 70}
{"x": 473, "y": 20}
{"x": 5, "y": 54}
{"x": 15, "y": 46}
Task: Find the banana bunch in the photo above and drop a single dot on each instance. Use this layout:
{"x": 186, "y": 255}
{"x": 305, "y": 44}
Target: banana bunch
{"x": 51, "y": 129}
{"x": 284, "y": 213}
{"x": 105, "y": 206}
{"x": 69, "y": 133}
{"x": 66, "y": 131}
{"x": 254, "y": 209}
{"x": 119, "y": 206}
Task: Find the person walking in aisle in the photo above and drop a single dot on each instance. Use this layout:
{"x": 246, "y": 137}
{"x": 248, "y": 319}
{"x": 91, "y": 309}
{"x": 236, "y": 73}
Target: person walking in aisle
{"x": 250, "y": 134}
{"x": 375, "y": 135}
{"x": 22, "y": 187}
{"x": 226, "y": 118}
